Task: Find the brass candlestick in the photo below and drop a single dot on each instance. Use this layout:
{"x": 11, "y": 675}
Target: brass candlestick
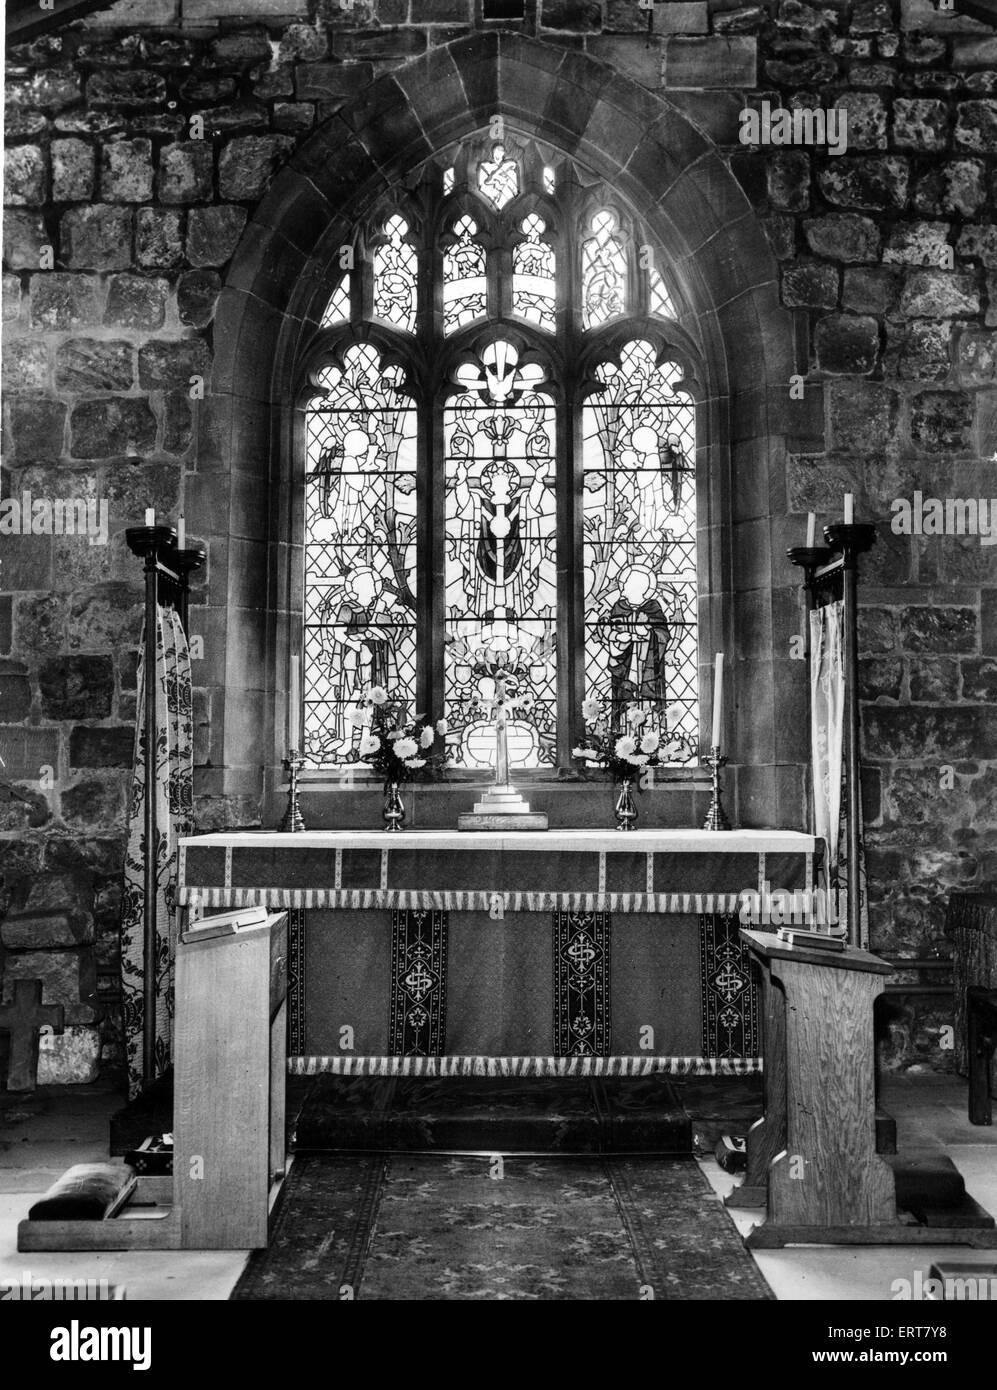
{"x": 293, "y": 821}
{"x": 716, "y": 820}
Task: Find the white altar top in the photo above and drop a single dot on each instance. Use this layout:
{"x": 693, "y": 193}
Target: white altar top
{"x": 685, "y": 841}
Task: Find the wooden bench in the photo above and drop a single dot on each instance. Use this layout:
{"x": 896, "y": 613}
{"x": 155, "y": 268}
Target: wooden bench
{"x": 981, "y": 1040}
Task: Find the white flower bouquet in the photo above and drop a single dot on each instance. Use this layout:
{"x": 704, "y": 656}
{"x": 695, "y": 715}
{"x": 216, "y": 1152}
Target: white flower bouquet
{"x": 399, "y": 750}
{"x": 621, "y": 749}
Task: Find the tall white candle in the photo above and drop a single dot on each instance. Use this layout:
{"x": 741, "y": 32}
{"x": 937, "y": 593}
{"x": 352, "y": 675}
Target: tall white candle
{"x": 849, "y": 509}
{"x": 718, "y": 698}
{"x": 150, "y": 516}
{"x": 294, "y": 704}
{"x": 811, "y": 530}
{"x": 181, "y": 533}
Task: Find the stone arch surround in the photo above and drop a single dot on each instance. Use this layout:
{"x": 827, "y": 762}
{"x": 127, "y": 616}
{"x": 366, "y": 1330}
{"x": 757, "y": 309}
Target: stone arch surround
{"x": 727, "y": 279}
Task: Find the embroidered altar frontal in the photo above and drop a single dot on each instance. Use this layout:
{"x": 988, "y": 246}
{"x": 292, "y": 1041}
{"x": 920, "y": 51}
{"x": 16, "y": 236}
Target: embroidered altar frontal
{"x": 569, "y": 952}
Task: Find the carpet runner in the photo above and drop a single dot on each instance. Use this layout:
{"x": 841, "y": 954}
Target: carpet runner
{"x": 433, "y": 1227}
{"x": 493, "y": 1115}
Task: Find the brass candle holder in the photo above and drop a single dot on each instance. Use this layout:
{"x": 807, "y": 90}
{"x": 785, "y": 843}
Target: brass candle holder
{"x": 293, "y": 820}
{"x": 717, "y": 819}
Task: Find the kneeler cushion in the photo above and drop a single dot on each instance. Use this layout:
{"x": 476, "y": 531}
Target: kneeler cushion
{"x": 85, "y": 1192}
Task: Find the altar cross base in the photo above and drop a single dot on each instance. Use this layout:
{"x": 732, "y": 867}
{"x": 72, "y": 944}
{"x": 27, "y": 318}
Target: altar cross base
{"x": 22, "y": 1020}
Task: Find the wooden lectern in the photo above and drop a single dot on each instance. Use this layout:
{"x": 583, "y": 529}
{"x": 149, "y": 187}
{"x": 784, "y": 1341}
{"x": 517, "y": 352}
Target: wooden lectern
{"x": 812, "y": 1158}
{"x": 230, "y": 1056}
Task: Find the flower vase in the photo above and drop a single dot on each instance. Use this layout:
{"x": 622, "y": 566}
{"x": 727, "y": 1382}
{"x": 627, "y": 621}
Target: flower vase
{"x": 394, "y": 808}
{"x": 626, "y": 808}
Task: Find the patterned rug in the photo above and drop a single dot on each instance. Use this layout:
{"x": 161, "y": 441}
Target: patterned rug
{"x": 494, "y": 1115}
{"x": 438, "y": 1228}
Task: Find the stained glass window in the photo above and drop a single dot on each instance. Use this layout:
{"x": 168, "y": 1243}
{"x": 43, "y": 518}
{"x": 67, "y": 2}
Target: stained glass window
{"x": 338, "y": 308}
{"x": 395, "y": 277}
{"x": 639, "y": 524}
{"x": 533, "y": 289}
{"x": 465, "y": 289}
{"x": 360, "y": 528}
{"x": 462, "y": 496}
{"x": 604, "y": 272}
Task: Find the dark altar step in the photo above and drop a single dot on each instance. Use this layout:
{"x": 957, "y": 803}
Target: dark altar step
{"x": 932, "y": 1189}
{"x": 494, "y": 1115}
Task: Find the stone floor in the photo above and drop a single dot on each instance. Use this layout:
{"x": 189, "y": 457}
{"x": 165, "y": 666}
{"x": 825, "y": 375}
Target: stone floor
{"x": 43, "y": 1134}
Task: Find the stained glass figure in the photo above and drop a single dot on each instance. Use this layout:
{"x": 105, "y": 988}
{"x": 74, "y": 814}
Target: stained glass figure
{"x": 498, "y": 178}
{"x": 338, "y": 308}
{"x": 360, "y": 533}
{"x": 604, "y": 272}
{"x": 464, "y": 285}
{"x": 658, "y": 297}
{"x": 533, "y": 286}
{"x": 550, "y": 179}
{"x": 639, "y": 524}
{"x": 501, "y": 577}
{"x": 395, "y": 277}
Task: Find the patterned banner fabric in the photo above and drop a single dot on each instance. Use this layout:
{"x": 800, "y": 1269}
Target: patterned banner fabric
{"x": 581, "y": 984}
{"x": 418, "y": 983}
{"x": 730, "y": 997}
{"x": 174, "y": 795}
{"x": 523, "y": 1066}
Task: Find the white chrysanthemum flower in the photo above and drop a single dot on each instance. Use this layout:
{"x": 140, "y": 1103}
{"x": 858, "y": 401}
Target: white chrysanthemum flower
{"x": 356, "y": 718}
{"x": 426, "y": 738}
{"x": 378, "y": 695}
{"x": 415, "y": 762}
{"x": 636, "y": 717}
{"x": 406, "y": 748}
{"x": 369, "y": 744}
{"x": 649, "y": 743}
{"x": 442, "y": 727}
{"x": 590, "y": 708}
{"x": 588, "y": 753}
{"x": 625, "y": 746}
{"x": 638, "y": 759}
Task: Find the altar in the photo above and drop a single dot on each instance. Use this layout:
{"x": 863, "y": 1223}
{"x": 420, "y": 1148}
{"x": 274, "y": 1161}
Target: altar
{"x": 568, "y": 952}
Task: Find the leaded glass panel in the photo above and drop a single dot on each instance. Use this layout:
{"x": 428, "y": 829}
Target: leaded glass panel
{"x": 395, "y": 277}
{"x": 639, "y": 524}
{"x": 465, "y": 288}
{"x": 533, "y": 286}
{"x": 498, "y": 177}
{"x": 604, "y": 272}
{"x": 338, "y": 308}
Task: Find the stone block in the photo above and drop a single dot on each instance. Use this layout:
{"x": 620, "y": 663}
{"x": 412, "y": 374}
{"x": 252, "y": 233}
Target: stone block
{"x": 59, "y": 971}
{"x": 576, "y": 16}
{"x": 132, "y": 90}
{"x": 10, "y": 297}
{"x": 72, "y": 171}
{"x": 15, "y": 696}
{"x": 40, "y": 624}
{"x": 330, "y": 81}
{"x": 25, "y": 240}
{"x": 248, "y": 163}
{"x": 132, "y": 486}
{"x": 309, "y": 42}
{"x": 710, "y": 61}
{"x": 72, "y": 1057}
{"x": 920, "y": 123}
{"x": 46, "y": 930}
{"x": 880, "y": 677}
{"x": 941, "y": 421}
{"x": 746, "y": 19}
{"x": 924, "y": 19}
{"x": 866, "y": 120}
{"x": 126, "y": 171}
{"x": 241, "y": 47}
{"x": 225, "y": 120}
{"x": 64, "y": 301}
{"x": 165, "y": 364}
{"x": 293, "y": 117}
{"x": 101, "y": 747}
{"x": 212, "y": 87}
{"x": 843, "y": 236}
{"x": 788, "y": 180}
{"x": 378, "y": 45}
{"x": 51, "y": 89}
{"x": 876, "y": 183}
{"x": 847, "y": 344}
{"x": 273, "y": 82}
{"x": 456, "y": 11}
{"x": 692, "y": 17}
{"x": 954, "y": 187}
{"x": 862, "y": 416}
{"x": 213, "y": 234}
{"x": 810, "y": 285}
{"x": 26, "y": 750}
{"x": 98, "y": 803}
{"x": 25, "y": 365}
{"x": 185, "y": 172}
{"x": 937, "y": 629}
{"x": 870, "y": 289}
{"x": 113, "y": 425}
{"x": 934, "y": 680}
{"x": 197, "y": 294}
{"x": 36, "y": 427}
{"x": 977, "y": 357}
{"x": 939, "y": 294}
{"x": 780, "y": 232}
{"x": 918, "y": 243}
{"x": 24, "y": 176}
{"x": 978, "y": 242}
{"x": 159, "y": 238}
{"x": 871, "y": 17}
{"x": 142, "y": 13}
{"x": 919, "y": 351}
{"x": 94, "y": 364}
{"x": 976, "y": 126}
{"x": 135, "y": 302}
{"x": 97, "y": 237}
{"x": 975, "y": 53}
{"x": 178, "y": 422}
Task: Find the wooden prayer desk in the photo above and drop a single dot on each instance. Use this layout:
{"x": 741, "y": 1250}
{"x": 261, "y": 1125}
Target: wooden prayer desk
{"x": 534, "y": 953}
{"x": 230, "y": 1063}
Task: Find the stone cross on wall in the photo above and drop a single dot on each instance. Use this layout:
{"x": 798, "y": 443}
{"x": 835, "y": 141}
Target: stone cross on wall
{"x": 22, "y": 1020}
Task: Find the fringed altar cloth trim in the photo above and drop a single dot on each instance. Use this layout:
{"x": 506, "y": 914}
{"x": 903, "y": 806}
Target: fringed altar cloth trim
{"x": 366, "y": 899}
{"x": 525, "y": 1066}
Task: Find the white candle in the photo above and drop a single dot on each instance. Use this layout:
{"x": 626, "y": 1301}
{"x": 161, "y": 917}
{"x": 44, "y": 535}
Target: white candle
{"x": 718, "y": 698}
{"x": 181, "y": 533}
{"x": 150, "y": 516}
{"x": 294, "y": 703}
{"x": 811, "y": 530}
{"x": 849, "y": 509}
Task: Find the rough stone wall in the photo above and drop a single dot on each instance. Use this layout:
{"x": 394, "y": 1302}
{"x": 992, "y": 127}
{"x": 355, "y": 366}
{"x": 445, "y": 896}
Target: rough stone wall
{"x": 137, "y": 146}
